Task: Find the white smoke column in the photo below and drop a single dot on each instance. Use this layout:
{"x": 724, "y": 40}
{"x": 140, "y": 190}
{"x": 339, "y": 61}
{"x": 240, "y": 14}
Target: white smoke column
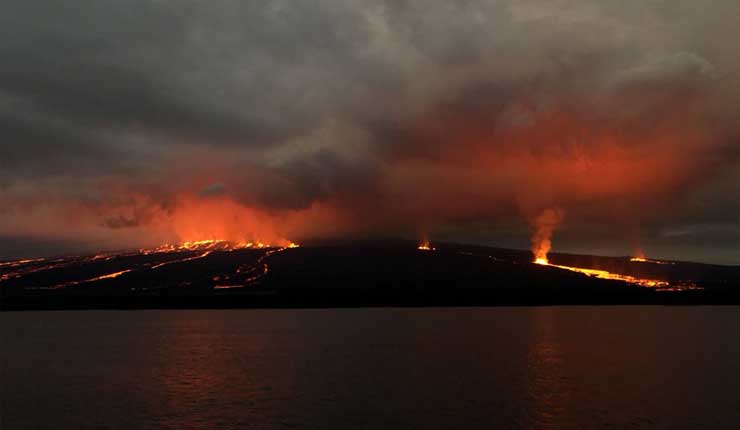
{"x": 544, "y": 224}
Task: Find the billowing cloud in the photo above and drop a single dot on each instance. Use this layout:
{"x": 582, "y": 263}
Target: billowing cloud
{"x": 131, "y": 122}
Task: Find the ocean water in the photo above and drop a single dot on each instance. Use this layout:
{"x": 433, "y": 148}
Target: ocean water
{"x": 435, "y": 368}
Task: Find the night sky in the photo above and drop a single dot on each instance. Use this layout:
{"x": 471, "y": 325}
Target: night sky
{"x": 136, "y": 123}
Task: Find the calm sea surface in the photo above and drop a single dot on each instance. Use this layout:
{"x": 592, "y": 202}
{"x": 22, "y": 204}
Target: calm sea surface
{"x": 550, "y": 367}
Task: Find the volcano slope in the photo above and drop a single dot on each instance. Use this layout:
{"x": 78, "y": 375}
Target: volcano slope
{"x": 378, "y": 273}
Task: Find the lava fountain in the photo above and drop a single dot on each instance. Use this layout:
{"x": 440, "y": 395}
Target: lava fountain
{"x": 544, "y": 224}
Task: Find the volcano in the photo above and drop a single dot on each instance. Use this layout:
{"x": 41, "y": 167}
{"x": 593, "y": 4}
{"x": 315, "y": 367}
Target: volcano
{"x": 221, "y": 274}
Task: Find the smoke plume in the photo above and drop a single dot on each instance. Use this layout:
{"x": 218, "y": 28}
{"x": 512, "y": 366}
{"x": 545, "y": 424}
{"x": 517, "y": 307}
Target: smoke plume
{"x": 139, "y": 122}
{"x": 544, "y": 226}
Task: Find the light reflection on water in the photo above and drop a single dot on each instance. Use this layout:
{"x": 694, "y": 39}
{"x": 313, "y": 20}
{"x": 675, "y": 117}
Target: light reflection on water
{"x": 548, "y": 368}
{"x": 547, "y": 392}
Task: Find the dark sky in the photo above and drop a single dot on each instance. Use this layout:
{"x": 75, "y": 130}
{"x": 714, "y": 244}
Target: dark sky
{"x": 133, "y": 123}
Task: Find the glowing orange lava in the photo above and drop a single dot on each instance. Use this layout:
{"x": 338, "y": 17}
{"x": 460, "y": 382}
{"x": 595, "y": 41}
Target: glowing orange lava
{"x": 216, "y": 245}
{"x": 603, "y": 274}
{"x": 544, "y": 225}
{"x": 109, "y": 276}
{"x": 640, "y": 257}
{"x": 648, "y": 260}
{"x": 425, "y": 245}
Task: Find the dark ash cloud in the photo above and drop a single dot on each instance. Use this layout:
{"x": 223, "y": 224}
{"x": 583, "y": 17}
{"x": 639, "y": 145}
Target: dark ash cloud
{"x": 334, "y": 117}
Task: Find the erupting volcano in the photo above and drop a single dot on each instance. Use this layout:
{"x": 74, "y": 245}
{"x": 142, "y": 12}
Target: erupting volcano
{"x": 147, "y": 263}
{"x": 222, "y": 273}
{"x": 545, "y": 225}
{"x": 425, "y": 245}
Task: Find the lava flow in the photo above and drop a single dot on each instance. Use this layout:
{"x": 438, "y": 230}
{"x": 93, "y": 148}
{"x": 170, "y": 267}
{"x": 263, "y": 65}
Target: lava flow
{"x": 45, "y": 274}
{"x": 544, "y": 226}
{"x": 603, "y": 274}
{"x": 648, "y": 260}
